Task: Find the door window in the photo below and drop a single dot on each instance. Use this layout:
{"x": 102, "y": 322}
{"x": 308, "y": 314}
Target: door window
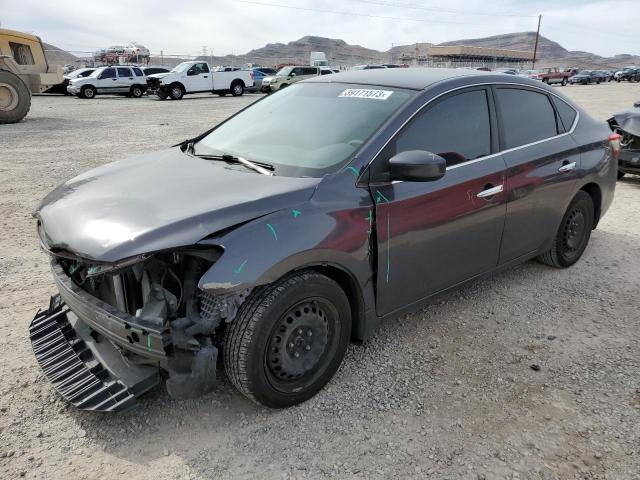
{"x": 566, "y": 112}
{"x": 457, "y": 128}
{"x": 298, "y": 71}
{"x": 527, "y": 117}
{"x": 138, "y": 72}
{"x": 124, "y": 72}
{"x": 108, "y": 73}
{"x": 21, "y": 53}
{"x": 310, "y": 71}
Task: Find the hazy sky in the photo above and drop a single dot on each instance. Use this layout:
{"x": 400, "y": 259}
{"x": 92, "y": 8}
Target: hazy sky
{"x": 604, "y": 27}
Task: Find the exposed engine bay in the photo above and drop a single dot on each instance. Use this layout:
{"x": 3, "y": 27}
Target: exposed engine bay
{"x": 627, "y": 125}
{"x": 163, "y": 319}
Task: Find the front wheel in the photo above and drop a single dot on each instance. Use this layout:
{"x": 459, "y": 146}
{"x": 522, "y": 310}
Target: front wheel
{"x": 288, "y": 339}
{"x": 88, "y": 92}
{"x": 573, "y": 235}
{"x": 175, "y": 92}
{"x": 136, "y": 91}
{"x": 564, "y": 81}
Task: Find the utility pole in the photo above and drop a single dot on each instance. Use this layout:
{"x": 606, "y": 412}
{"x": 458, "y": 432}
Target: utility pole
{"x": 535, "y": 47}
{"x": 161, "y": 58}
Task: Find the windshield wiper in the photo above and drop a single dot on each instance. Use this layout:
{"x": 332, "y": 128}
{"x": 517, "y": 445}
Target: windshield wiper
{"x": 260, "y": 168}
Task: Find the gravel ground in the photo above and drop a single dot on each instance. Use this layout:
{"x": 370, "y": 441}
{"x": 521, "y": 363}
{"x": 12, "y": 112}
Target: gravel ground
{"x": 446, "y": 392}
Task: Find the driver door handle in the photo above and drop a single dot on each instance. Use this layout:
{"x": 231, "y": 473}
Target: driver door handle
{"x": 567, "y": 167}
{"x": 490, "y": 192}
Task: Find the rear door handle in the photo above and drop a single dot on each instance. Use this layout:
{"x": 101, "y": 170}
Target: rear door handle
{"x": 567, "y": 167}
{"x": 490, "y": 192}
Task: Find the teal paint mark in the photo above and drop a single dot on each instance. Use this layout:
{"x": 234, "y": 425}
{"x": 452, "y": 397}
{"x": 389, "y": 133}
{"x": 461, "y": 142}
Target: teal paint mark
{"x": 354, "y": 170}
{"x": 388, "y": 247}
{"x": 92, "y": 270}
{"x": 381, "y": 197}
{"x": 148, "y": 342}
{"x": 73, "y": 269}
{"x": 273, "y": 230}
{"x": 240, "y": 267}
{"x": 296, "y": 213}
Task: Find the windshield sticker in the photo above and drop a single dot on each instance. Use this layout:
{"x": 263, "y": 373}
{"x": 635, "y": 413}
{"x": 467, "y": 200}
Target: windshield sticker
{"x": 366, "y": 93}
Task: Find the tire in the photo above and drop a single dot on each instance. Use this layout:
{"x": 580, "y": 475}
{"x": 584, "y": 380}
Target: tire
{"x": 288, "y": 339}
{"x": 176, "y": 92}
{"x": 573, "y": 234}
{"x": 161, "y": 95}
{"x": 88, "y": 92}
{"x": 564, "y": 82}
{"x": 136, "y": 91}
{"x": 545, "y": 80}
{"x": 620, "y": 174}
{"x": 237, "y": 89}
{"x": 15, "y": 98}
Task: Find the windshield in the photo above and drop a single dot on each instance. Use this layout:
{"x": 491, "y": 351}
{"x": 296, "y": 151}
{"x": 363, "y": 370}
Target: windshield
{"x": 97, "y": 72}
{"x": 284, "y": 71}
{"x": 585, "y": 72}
{"x": 307, "y": 129}
{"x": 181, "y": 67}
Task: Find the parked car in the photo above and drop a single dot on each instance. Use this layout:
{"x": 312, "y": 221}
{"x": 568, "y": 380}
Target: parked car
{"x": 153, "y": 70}
{"x": 120, "y": 80}
{"x": 258, "y": 74}
{"x": 602, "y": 76}
{"x": 62, "y": 86}
{"x": 627, "y": 126}
{"x": 288, "y": 76}
{"x": 304, "y": 221}
{"x": 627, "y": 73}
{"x": 552, "y": 75}
{"x": 197, "y": 77}
{"x": 585, "y": 77}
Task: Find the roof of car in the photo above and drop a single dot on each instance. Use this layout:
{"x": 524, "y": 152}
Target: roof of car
{"x": 413, "y": 78}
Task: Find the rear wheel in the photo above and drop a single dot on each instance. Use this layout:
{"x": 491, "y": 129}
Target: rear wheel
{"x": 288, "y": 339}
{"x": 15, "y": 98}
{"x": 136, "y": 91}
{"x": 564, "y": 81}
{"x": 88, "y": 92}
{"x": 574, "y": 233}
{"x": 237, "y": 89}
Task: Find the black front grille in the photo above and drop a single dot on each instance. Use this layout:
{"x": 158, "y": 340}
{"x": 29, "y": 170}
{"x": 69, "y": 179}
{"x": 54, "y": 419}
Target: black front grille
{"x": 70, "y": 366}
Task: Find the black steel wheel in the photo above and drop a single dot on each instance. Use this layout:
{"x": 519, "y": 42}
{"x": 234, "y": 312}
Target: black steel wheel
{"x": 288, "y": 339}
{"x": 573, "y": 234}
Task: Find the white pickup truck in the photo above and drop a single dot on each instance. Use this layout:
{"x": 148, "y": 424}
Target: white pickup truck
{"x": 197, "y": 77}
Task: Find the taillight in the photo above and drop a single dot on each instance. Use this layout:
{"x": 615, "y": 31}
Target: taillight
{"x": 252, "y": 75}
{"x": 614, "y": 142}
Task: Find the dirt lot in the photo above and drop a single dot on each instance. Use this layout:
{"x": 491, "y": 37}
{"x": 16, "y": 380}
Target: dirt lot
{"x": 446, "y": 392}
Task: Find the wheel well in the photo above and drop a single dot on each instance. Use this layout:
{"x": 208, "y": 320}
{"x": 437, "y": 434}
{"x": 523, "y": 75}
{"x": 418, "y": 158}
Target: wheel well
{"x": 237, "y": 80}
{"x": 596, "y": 196}
{"x": 179, "y": 85}
{"x": 350, "y": 287}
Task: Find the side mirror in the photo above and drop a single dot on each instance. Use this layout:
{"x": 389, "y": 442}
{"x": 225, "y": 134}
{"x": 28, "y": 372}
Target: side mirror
{"x": 293, "y": 75}
{"x": 190, "y": 73}
{"x": 417, "y": 166}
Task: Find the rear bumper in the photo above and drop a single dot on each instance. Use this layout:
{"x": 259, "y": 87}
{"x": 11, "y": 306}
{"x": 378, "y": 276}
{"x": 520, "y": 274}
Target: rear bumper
{"x": 85, "y": 369}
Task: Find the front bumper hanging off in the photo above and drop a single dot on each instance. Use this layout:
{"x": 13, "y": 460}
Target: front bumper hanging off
{"x": 86, "y": 369}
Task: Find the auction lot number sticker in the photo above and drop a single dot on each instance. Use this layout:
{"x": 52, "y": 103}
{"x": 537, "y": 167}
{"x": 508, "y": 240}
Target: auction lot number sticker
{"x": 366, "y": 93}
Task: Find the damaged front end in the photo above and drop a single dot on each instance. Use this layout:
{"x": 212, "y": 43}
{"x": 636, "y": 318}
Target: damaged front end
{"x": 627, "y": 125}
{"x": 117, "y": 330}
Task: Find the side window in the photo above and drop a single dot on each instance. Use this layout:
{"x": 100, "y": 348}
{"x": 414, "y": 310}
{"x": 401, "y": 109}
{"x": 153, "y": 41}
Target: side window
{"x": 310, "y": 71}
{"x": 566, "y": 112}
{"x": 457, "y": 128}
{"x": 527, "y": 116}
{"x": 138, "y": 72}
{"x": 124, "y": 72}
{"x": 298, "y": 71}
{"x": 108, "y": 73}
{"x": 203, "y": 68}
{"x": 21, "y": 53}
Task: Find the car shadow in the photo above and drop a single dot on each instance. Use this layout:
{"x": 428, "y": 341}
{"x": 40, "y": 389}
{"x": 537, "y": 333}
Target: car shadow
{"x": 221, "y": 422}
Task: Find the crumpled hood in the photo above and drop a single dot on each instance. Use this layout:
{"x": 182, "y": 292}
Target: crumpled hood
{"x": 629, "y": 121}
{"x": 158, "y": 201}
{"x": 160, "y": 75}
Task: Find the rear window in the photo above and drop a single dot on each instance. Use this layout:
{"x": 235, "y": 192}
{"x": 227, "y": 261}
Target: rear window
{"x": 527, "y": 117}
{"x": 566, "y": 112}
{"x": 138, "y": 72}
{"x": 21, "y": 53}
{"x": 124, "y": 72}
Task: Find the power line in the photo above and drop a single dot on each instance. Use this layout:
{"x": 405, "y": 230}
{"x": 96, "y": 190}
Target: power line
{"x": 445, "y": 10}
{"x": 369, "y": 15}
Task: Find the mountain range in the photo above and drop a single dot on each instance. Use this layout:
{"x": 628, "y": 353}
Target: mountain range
{"x": 340, "y": 53}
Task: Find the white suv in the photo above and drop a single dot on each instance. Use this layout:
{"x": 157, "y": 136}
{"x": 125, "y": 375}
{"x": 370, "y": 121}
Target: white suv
{"x": 286, "y": 76}
{"x": 118, "y": 79}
